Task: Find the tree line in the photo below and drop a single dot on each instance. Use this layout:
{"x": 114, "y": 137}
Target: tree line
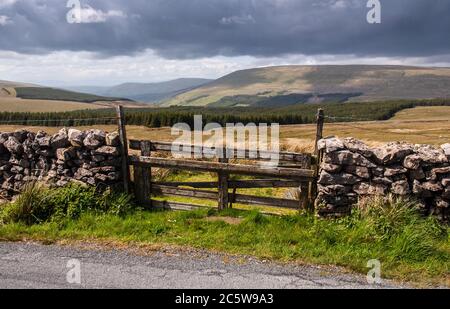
{"x": 162, "y": 117}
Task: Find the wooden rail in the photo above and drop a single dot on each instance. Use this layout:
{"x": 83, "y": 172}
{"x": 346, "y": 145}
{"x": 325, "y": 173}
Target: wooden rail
{"x": 149, "y": 162}
{"x": 304, "y": 160}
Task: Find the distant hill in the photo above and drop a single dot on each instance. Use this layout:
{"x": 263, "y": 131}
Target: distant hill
{"x": 285, "y": 85}
{"x": 24, "y": 97}
{"x": 9, "y": 84}
{"x": 146, "y": 92}
{"x": 44, "y": 93}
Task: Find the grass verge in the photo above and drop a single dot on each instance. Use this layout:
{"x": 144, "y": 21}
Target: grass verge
{"x": 410, "y": 247}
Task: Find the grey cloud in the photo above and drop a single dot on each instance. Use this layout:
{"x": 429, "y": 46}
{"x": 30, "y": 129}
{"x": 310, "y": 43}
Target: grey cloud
{"x": 197, "y": 28}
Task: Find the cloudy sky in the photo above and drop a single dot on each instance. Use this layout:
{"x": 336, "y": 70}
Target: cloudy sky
{"x": 114, "y": 41}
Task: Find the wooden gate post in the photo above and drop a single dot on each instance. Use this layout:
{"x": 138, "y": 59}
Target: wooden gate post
{"x": 124, "y": 148}
{"x": 143, "y": 177}
{"x": 223, "y": 184}
{"x": 318, "y": 156}
{"x": 319, "y": 132}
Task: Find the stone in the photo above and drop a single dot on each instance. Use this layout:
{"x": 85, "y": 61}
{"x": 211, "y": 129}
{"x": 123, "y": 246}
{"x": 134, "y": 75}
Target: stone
{"x": 334, "y": 190}
{"x": 104, "y": 169}
{"x": 107, "y": 151}
{"x": 101, "y": 177}
{"x": 60, "y": 139}
{"x": 446, "y": 149}
{"x": 114, "y": 176}
{"x": 331, "y": 168}
{"x": 62, "y": 183}
{"x": 435, "y": 172}
{"x": 378, "y": 171}
{"x": 113, "y": 139}
{"x": 52, "y": 174}
{"x": 111, "y": 162}
{"x": 76, "y": 137}
{"x": 418, "y": 174}
{"x": 4, "y": 137}
{"x": 24, "y": 163}
{"x": 81, "y": 173}
{"x": 364, "y": 188}
{"x": 330, "y": 144}
{"x": 21, "y": 135}
{"x": 401, "y": 188}
{"x": 98, "y": 158}
{"x": 429, "y": 154}
{"x": 94, "y": 139}
{"x": 432, "y": 186}
{"x": 392, "y": 153}
{"x": 393, "y": 171}
{"x": 440, "y": 203}
{"x": 345, "y": 157}
{"x": 8, "y": 184}
{"x": 446, "y": 182}
{"x": 65, "y": 154}
{"x": 357, "y": 146}
{"x": 83, "y": 154}
{"x": 412, "y": 162}
{"x": 17, "y": 169}
{"x": 337, "y": 179}
{"x": 446, "y": 193}
{"x": 45, "y": 153}
{"x": 383, "y": 180}
{"x": 338, "y": 200}
{"x": 14, "y": 146}
{"x": 360, "y": 171}
{"x": 43, "y": 139}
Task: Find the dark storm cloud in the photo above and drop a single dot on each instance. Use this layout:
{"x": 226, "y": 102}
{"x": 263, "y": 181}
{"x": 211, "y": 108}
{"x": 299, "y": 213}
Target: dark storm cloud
{"x": 197, "y": 28}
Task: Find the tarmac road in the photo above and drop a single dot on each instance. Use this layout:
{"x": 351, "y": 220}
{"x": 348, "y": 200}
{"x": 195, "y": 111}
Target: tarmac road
{"x": 29, "y": 265}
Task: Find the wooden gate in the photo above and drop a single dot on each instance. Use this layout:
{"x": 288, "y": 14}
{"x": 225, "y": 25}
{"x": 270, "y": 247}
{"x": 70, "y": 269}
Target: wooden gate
{"x": 296, "y": 170}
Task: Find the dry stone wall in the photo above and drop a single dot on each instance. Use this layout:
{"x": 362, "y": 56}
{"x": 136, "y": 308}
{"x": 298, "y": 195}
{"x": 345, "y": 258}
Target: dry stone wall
{"x": 91, "y": 157}
{"x": 350, "y": 170}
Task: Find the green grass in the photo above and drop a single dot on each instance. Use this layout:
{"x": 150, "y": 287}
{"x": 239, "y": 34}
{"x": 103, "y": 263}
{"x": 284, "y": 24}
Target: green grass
{"x": 409, "y": 247}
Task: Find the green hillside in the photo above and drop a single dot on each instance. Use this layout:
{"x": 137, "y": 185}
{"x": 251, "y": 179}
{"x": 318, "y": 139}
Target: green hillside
{"x": 320, "y": 84}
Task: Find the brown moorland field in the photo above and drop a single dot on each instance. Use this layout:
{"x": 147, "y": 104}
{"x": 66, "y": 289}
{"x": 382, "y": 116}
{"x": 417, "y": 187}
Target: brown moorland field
{"x": 430, "y": 125}
{"x": 12, "y": 104}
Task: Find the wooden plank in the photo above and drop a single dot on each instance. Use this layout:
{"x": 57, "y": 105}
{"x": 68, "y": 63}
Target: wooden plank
{"x": 174, "y": 191}
{"x": 222, "y": 199}
{"x": 302, "y": 158}
{"x": 299, "y": 174}
{"x": 175, "y": 205}
{"x": 143, "y": 177}
{"x": 242, "y": 184}
{"x": 124, "y": 148}
{"x": 237, "y": 198}
{"x": 304, "y": 197}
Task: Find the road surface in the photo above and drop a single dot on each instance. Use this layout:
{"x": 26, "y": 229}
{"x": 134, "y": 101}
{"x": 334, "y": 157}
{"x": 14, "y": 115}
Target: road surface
{"x": 29, "y": 265}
